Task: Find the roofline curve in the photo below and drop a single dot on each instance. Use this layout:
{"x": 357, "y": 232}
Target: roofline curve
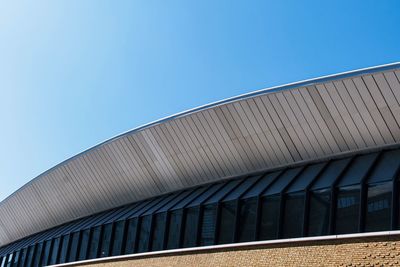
{"x": 302, "y": 83}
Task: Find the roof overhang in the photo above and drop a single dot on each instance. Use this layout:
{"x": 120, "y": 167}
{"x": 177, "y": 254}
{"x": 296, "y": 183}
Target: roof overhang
{"x": 265, "y": 129}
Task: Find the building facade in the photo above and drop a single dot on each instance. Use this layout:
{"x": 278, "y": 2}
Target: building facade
{"x": 309, "y": 162}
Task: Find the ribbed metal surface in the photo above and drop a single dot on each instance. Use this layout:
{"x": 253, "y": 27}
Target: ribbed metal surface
{"x": 262, "y": 130}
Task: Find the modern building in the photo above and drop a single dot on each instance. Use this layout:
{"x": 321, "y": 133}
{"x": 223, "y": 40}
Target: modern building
{"x": 301, "y": 174}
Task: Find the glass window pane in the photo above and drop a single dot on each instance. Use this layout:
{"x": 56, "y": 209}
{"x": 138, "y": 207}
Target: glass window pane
{"x": 9, "y": 260}
{"x": 306, "y": 177}
{"x": 46, "y": 252}
{"x": 227, "y": 222}
{"x": 144, "y": 234}
{"x": 242, "y": 188}
{"x": 23, "y": 257}
{"x": 165, "y": 200}
{"x": 158, "y": 231}
{"x": 386, "y": 167}
{"x": 330, "y": 173}
{"x": 223, "y": 191}
{"x": 208, "y": 225}
{"x": 319, "y": 213}
{"x": 38, "y": 254}
{"x": 181, "y": 197}
{"x": 347, "y": 210}
{"x": 29, "y": 259}
{"x": 131, "y": 236}
{"x": 357, "y": 170}
{"x": 94, "y": 242}
{"x": 269, "y": 217}
{"x": 175, "y": 222}
{"x": 206, "y": 195}
{"x": 105, "y": 240}
{"x": 84, "y": 244}
{"x": 119, "y": 233}
{"x": 193, "y": 196}
{"x": 247, "y": 220}
{"x": 191, "y": 227}
{"x": 282, "y": 181}
{"x": 16, "y": 258}
{"x": 261, "y": 185}
{"x": 73, "y": 252}
{"x": 54, "y": 251}
{"x": 64, "y": 249}
{"x": 378, "y": 215}
{"x": 293, "y": 215}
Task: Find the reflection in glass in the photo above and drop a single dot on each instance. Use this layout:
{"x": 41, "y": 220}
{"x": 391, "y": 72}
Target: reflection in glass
{"x": 118, "y": 238}
{"x": 144, "y": 234}
{"x": 208, "y": 225}
{"x": 191, "y": 224}
{"x": 105, "y": 240}
{"x": 378, "y": 215}
{"x": 131, "y": 236}
{"x": 247, "y": 220}
{"x": 175, "y": 222}
{"x": 84, "y": 244}
{"x": 347, "y": 210}
{"x": 227, "y": 222}
{"x": 293, "y": 215}
{"x": 158, "y": 232}
{"x": 318, "y": 220}
{"x": 94, "y": 242}
{"x": 269, "y": 218}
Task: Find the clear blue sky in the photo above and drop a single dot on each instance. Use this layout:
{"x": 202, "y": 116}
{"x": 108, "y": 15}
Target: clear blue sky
{"x": 74, "y": 73}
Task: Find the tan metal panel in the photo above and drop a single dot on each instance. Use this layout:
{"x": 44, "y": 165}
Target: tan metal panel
{"x": 125, "y": 155}
{"x": 261, "y": 128}
{"x": 208, "y": 162}
{"x": 382, "y": 106}
{"x": 325, "y": 120}
{"x": 166, "y": 149}
{"x": 271, "y": 126}
{"x": 255, "y": 139}
{"x": 241, "y": 134}
{"x": 298, "y": 115}
{"x": 287, "y": 127}
{"x": 255, "y": 124}
{"x": 344, "y": 113}
{"x": 297, "y": 126}
{"x": 354, "y": 113}
{"x": 199, "y": 162}
{"x": 233, "y": 139}
{"x": 361, "y": 108}
{"x": 219, "y": 141}
{"x": 186, "y": 161}
{"x": 193, "y": 164}
{"x": 113, "y": 175}
{"x": 348, "y": 140}
{"x": 393, "y": 84}
{"x": 137, "y": 188}
{"x": 299, "y": 105}
{"x": 210, "y": 142}
{"x": 103, "y": 174}
{"x": 373, "y": 110}
{"x": 281, "y": 131}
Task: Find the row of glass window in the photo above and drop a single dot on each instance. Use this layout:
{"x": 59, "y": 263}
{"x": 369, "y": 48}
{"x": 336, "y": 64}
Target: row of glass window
{"x": 337, "y": 197}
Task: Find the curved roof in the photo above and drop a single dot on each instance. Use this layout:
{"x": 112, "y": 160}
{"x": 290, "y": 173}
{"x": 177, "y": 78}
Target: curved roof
{"x": 264, "y": 129}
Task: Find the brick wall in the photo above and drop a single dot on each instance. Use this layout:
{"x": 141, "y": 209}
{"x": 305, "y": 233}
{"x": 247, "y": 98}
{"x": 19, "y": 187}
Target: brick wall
{"x": 367, "y": 251}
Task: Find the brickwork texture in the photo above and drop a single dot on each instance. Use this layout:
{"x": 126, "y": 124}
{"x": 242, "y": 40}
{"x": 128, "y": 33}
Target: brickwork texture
{"x": 371, "y": 251}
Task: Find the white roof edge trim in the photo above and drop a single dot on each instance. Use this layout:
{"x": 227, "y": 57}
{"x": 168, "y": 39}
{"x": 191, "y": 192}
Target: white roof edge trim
{"x": 306, "y": 82}
{"x": 242, "y": 245}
